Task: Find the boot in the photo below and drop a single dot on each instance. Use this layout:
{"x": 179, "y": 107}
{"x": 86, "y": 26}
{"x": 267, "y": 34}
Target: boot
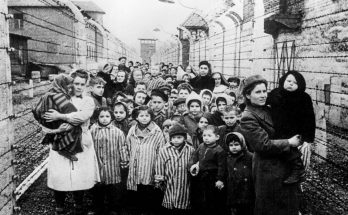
{"x": 297, "y": 175}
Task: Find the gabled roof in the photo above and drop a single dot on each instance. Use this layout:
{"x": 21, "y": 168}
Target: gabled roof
{"x": 195, "y": 21}
{"x": 31, "y": 3}
{"x": 88, "y": 6}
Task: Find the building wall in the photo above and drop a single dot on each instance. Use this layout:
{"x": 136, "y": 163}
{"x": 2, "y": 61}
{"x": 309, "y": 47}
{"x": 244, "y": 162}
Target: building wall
{"x": 61, "y": 48}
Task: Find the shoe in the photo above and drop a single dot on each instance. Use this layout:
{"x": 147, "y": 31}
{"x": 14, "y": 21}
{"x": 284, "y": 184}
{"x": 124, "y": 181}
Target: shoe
{"x": 295, "y": 177}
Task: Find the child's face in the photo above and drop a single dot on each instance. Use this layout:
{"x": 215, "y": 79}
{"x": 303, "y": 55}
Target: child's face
{"x": 140, "y": 98}
{"x": 233, "y": 99}
{"x": 209, "y": 137}
{"x": 206, "y": 99}
{"x": 177, "y": 140}
{"x": 194, "y": 108}
{"x": 221, "y": 106}
{"x": 181, "y": 108}
{"x": 154, "y": 71}
{"x": 147, "y": 76}
{"x": 157, "y": 103}
{"x": 137, "y": 75}
{"x": 290, "y": 83}
{"x": 140, "y": 87}
{"x": 183, "y": 93}
{"x": 173, "y": 72}
{"x": 120, "y": 113}
{"x": 173, "y": 97}
{"x": 234, "y": 147}
{"x": 104, "y": 117}
{"x": 203, "y": 123}
{"x": 169, "y": 79}
{"x": 233, "y": 84}
{"x": 98, "y": 89}
{"x": 230, "y": 118}
{"x": 130, "y": 108}
{"x": 204, "y": 70}
{"x": 144, "y": 117}
{"x": 121, "y": 75}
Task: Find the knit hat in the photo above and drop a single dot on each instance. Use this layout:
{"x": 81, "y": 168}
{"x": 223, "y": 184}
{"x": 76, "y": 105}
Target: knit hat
{"x": 235, "y": 136}
{"x": 159, "y": 93}
{"x": 250, "y": 82}
{"x": 177, "y": 129}
{"x": 165, "y": 87}
{"x": 179, "y": 101}
{"x": 204, "y": 62}
{"x": 193, "y": 97}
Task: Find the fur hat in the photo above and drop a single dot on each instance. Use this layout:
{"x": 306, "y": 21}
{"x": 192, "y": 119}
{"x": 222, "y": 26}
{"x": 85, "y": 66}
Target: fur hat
{"x": 250, "y": 81}
{"x": 177, "y": 129}
{"x": 159, "y": 93}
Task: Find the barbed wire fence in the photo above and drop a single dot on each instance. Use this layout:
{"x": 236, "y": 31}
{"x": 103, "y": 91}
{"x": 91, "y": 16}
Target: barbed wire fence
{"x": 22, "y": 156}
{"x": 326, "y": 189}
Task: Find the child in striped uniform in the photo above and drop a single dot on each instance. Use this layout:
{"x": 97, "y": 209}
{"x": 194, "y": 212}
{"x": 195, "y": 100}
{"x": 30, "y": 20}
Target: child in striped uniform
{"x": 171, "y": 170}
{"x": 109, "y": 143}
{"x": 143, "y": 142}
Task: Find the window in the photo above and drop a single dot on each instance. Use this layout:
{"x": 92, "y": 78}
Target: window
{"x": 18, "y": 21}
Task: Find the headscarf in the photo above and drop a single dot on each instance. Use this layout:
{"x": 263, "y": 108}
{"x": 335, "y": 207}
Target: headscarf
{"x": 62, "y": 84}
{"x": 223, "y": 79}
{"x": 301, "y": 83}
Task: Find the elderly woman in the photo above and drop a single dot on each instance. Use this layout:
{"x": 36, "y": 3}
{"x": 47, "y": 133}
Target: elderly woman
{"x": 76, "y": 176}
{"x": 269, "y": 169}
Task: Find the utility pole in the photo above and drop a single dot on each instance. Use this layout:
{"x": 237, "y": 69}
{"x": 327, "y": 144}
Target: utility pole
{"x": 7, "y": 186}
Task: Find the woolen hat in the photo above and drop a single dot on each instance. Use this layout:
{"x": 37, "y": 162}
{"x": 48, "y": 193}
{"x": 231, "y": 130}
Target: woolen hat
{"x": 159, "y": 93}
{"x": 177, "y": 129}
{"x": 250, "y": 81}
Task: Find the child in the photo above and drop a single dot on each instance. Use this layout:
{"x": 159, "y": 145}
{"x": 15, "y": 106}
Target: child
{"x": 168, "y": 78}
{"x": 184, "y": 92}
{"x": 171, "y": 170}
{"x": 96, "y": 86}
{"x": 204, "y": 121}
{"x": 139, "y": 98}
{"x": 109, "y": 144}
{"x": 158, "y": 100}
{"x": 230, "y": 116}
{"x": 121, "y": 117}
{"x": 207, "y": 166}
{"x": 58, "y": 98}
{"x": 292, "y": 114}
{"x": 180, "y": 106}
{"x": 207, "y": 98}
{"x": 167, "y": 124}
{"x": 143, "y": 143}
{"x": 156, "y": 80}
{"x": 130, "y": 105}
{"x": 173, "y": 95}
{"x": 240, "y": 186}
{"x": 118, "y": 97}
{"x": 140, "y": 86}
{"x": 234, "y": 84}
{"x": 191, "y": 118}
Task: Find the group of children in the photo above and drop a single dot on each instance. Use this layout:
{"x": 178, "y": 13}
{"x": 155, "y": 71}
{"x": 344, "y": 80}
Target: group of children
{"x": 176, "y": 151}
{"x": 168, "y": 150}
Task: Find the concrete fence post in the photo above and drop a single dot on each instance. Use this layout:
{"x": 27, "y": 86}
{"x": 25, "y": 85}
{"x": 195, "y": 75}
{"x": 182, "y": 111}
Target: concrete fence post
{"x": 7, "y": 186}
{"x": 31, "y": 88}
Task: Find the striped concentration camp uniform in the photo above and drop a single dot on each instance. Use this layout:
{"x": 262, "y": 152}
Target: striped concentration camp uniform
{"x": 110, "y": 148}
{"x": 143, "y": 151}
{"x": 172, "y": 169}
{"x": 155, "y": 83}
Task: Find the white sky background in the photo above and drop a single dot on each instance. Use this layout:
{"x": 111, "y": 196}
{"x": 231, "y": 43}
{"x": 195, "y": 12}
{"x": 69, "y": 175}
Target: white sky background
{"x": 132, "y": 19}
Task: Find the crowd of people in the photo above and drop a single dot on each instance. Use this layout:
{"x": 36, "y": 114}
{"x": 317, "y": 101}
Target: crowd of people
{"x": 168, "y": 140}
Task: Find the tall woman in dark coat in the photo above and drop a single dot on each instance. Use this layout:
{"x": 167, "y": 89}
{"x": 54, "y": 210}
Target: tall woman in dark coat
{"x": 204, "y": 80}
{"x": 269, "y": 169}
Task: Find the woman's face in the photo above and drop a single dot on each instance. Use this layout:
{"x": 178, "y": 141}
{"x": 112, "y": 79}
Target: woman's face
{"x": 79, "y": 85}
{"x": 188, "y": 69}
{"x": 258, "y": 95}
{"x": 137, "y": 75}
{"x": 217, "y": 78}
{"x": 204, "y": 70}
{"x": 121, "y": 75}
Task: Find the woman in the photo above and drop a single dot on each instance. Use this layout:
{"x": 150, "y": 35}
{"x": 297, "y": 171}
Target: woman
{"x": 136, "y": 76}
{"x": 121, "y": 81}
{"x": 221, "y": 84}
{"x": 64, "y": 175}
{"x": 269, "y": 169}
{"x": 204, "y": 80}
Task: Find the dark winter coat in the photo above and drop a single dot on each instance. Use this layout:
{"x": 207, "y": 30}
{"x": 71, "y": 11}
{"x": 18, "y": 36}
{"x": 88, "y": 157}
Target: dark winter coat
{"x": 240, "y": 185}
{"x": 202, "y": 82}
{"x": 269, "y": 169}
{"x": 292, "y": 112}
{"x": 190, "y": 122}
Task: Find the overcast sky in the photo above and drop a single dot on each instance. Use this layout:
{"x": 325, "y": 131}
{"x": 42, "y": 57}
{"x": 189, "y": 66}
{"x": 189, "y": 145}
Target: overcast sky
{"x": 133, "y": 19}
